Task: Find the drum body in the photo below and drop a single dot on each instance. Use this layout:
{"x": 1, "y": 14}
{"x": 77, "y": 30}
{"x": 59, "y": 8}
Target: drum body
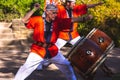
{"x": 101, "y": 39}
{"x": 85, "y": 56}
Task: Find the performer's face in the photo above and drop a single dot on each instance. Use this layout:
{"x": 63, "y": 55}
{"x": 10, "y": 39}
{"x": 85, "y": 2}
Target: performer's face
{"x": 70, "y": 4}
{"x": 51, "y": 14}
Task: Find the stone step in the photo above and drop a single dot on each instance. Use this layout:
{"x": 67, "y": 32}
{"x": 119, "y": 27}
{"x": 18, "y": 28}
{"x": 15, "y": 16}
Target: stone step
{"x": 7, "y": 35}
{"x": 5, "y": 30}
{"x": 5, "y": 24}
{"x": 22, "y": 34}
{"x": 18, "y": 48}
{"x": 7, "y": 42}
{"x": 22, "y": 45}
{"x": 17, "y": 25}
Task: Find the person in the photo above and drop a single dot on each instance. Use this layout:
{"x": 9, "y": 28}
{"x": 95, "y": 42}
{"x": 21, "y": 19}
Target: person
{"x": 46, "y": 31}
{"x": 67, "y": 10}
{"x": 70, "y": 9}
{"x": 55, "y": 2}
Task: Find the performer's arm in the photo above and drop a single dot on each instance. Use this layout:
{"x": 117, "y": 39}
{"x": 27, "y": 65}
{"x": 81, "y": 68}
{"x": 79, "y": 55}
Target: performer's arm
{"x": 25, "y": 19}
{"x": 94, "y": 5}
{"x": 66, "y": 23}
{"x": 82, "y": 19}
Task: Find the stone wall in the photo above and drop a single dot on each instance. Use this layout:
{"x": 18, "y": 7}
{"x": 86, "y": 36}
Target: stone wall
{"x": 14, "y": 36}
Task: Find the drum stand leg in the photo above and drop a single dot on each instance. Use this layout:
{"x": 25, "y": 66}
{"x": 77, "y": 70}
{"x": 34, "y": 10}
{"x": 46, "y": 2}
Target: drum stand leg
{"x": 90, "y": 77}
{"x": 106, "y": 70}
{"x": 103, "y": 67}
{"x": 80, "y": 76}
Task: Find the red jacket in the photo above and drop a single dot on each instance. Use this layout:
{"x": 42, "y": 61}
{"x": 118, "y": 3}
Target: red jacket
{"x": 37, "y": 24}
{"x": 76, "y": 12}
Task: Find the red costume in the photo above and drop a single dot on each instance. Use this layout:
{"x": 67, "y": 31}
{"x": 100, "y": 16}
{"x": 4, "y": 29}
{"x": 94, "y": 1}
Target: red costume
{"x": 37, "y": 23}
{"x": 76, "y": 12}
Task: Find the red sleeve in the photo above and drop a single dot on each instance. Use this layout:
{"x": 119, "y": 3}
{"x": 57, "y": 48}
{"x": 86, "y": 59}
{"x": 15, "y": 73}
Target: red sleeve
{"x": 80, "y": 9}
{"x": 32, "y": 22}
{"x": 65, "y": 23}
{"x": 61, "y": 12}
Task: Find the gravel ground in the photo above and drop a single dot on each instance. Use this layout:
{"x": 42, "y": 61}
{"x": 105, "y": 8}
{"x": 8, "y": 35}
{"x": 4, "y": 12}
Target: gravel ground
{"x": 10, "y": 62}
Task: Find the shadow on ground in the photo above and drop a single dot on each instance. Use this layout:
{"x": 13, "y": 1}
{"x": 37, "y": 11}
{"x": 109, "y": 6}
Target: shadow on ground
{"x": 11, "y": 61}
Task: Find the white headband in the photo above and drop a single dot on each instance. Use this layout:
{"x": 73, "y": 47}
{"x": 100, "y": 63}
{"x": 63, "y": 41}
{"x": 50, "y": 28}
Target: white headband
{"x": 51, "y": 7}
{"x": 71, "y": 0}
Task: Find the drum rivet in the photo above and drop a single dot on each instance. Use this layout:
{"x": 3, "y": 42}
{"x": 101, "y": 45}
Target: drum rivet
{"x": 101, "y": 39}
{"x": 89, "y": 52}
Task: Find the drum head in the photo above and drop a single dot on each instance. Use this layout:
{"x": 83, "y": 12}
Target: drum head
{"x": 85, "y": 56}
{"x": 101, "y": 39}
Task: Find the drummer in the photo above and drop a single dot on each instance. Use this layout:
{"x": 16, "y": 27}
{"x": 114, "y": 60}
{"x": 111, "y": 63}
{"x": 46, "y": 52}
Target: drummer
{"x": 67, "y": 10}
{"x": 46, "y": 31}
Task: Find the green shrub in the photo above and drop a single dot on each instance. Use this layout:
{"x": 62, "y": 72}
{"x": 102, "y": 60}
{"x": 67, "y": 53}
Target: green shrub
{"x": 106, "y": 18}
{"x": 11, "y": 9}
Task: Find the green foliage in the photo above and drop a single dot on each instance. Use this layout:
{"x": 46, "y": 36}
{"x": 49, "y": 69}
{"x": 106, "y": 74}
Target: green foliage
{"x": 106, "y": 18}
{"x": 11, "y": 9}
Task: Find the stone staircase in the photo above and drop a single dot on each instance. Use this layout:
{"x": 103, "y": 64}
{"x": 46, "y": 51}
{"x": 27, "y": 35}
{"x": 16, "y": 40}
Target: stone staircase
{"x": 14, "y": 36}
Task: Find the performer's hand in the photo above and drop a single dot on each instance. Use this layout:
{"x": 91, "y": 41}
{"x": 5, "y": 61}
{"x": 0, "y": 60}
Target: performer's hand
{"x": 82, "y": 19}
{"x": 94, "y": 5}
{"x": 100, "y": 3}
{"x": 89, "y": 17}
{"x": 36, "y": 6}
